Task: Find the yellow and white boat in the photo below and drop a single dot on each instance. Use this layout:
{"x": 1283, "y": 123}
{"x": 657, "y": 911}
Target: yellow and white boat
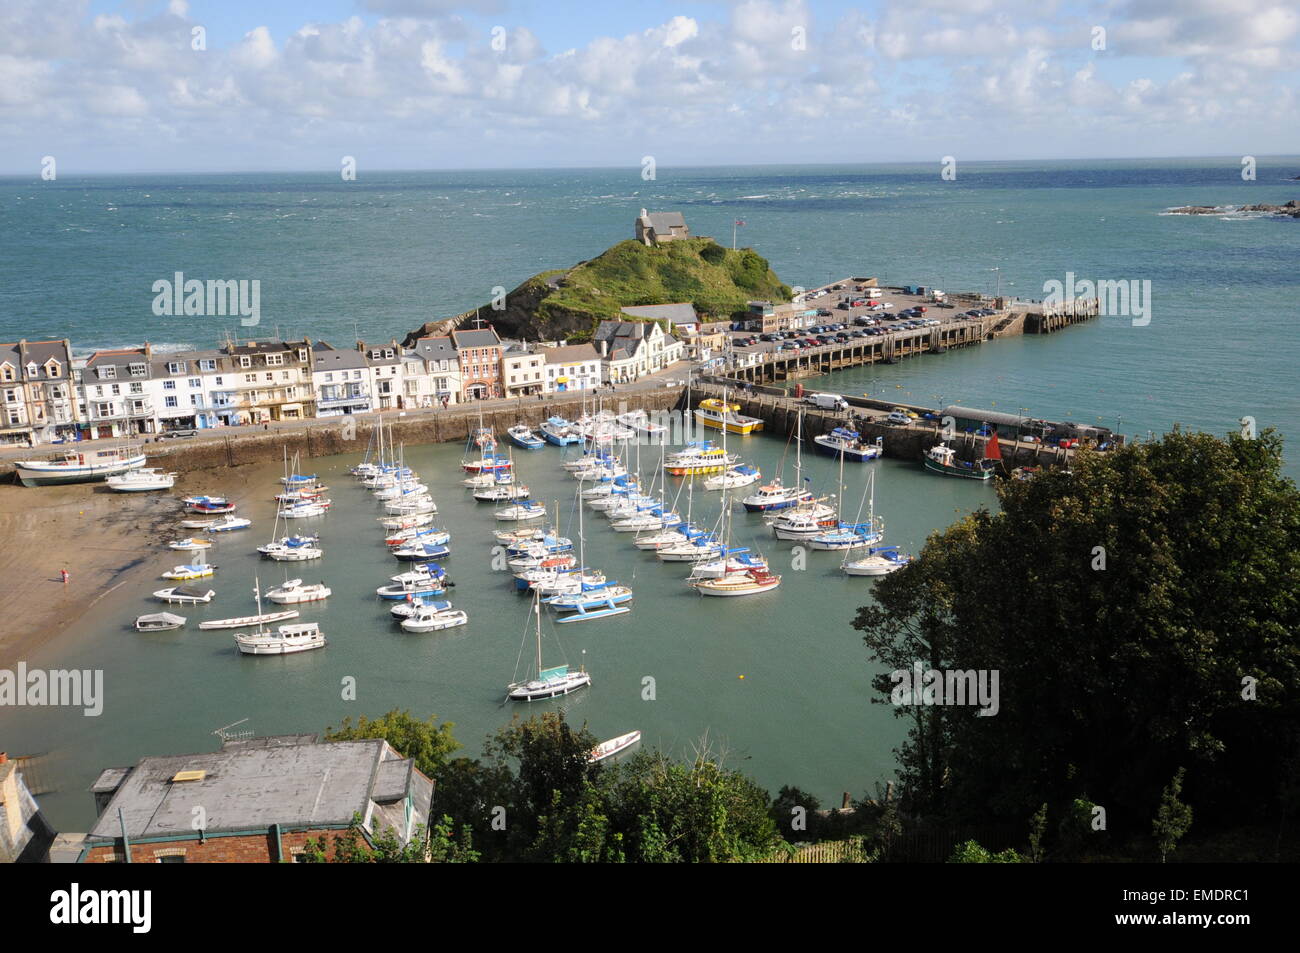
{"x": 698, "y": 458}
{"x": 720, "y": 414}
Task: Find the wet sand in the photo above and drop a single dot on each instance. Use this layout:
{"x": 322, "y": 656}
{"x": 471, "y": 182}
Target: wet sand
{"x": 104, "y": 539}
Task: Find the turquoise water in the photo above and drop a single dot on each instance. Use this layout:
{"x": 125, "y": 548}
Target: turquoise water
{"x": 381, "y": 255}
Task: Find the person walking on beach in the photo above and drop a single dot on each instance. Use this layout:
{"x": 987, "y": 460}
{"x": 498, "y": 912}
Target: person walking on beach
{"x": 63, "y": 573}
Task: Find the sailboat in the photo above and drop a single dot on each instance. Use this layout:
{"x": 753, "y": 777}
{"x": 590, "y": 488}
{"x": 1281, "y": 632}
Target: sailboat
{"x": 878, "y": 561}
{"x": 853, "y": 535}
{"x": 777, "y": 496}
{"x": 733, "y": 581}
{"x": 284, "y": 640}
{"x": 597, "y": 600}
{"x": 549, "y": 682}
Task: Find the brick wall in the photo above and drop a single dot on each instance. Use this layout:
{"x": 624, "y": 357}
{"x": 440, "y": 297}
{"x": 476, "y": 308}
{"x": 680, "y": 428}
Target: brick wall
{"x": 240, "y": 849}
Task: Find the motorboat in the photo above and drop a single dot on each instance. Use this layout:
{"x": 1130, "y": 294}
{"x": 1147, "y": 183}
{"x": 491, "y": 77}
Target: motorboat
{"x": 159, "y": 622}
{"x": 428, "y": 619}
{"x": 190, "y": 544}
{"x": 185, "y": 595}
{"x": 879, "y": 561}
{"x": 734, "y": 478}
{"x": 141, "y": 481}
{"x": 560, "y": 432}
{"x": 293, "y": 592}
{"x": 720, "y": 414}
{"x": 847, "y": 441}
{"x": 189, "y": 572}
{"x": 284, "y": 640}
{"x": 522, "y": 436}
{"x": 607, "y": 749}
{"x": 521, "y": 511}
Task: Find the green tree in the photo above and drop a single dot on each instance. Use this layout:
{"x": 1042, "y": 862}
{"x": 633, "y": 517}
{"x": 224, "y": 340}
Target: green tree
{"x": 1037, "y": 828}
{"x": 427, "y": 742}
{"x": 972, "y": 853}
{"x": 1173, "y": 817}
{"x": 1109, "y": 677}
{"x": 437, "y": 844}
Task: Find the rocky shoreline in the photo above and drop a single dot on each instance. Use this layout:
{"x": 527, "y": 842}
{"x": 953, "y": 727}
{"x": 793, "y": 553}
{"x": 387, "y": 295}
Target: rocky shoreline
{"x": 1290, "y": 210}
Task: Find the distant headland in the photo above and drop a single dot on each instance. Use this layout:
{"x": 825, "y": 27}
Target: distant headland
{"x": 1291, "y": 209}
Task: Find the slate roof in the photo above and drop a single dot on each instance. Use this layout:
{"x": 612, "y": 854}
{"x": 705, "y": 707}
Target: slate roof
{"x": 326, "y": 357}
{"x": 483, "y": 337}
{"x": 666, "y": 221}
{"x": 683, "y": 313}
{"x": 22, "y": 353}
{"x": 291, "y": 780}
{"x": 571, "y": 354}
{"x": 435, "y": 349}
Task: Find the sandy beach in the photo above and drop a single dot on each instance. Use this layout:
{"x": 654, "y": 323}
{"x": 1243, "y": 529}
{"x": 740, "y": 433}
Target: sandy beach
{"x": 104, "y": 540}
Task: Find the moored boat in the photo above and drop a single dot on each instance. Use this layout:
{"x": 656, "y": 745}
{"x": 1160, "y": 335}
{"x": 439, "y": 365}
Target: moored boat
{"x": 185, "y": 595}
{"x": 243, "y": 622}
{"x": 720, "y": 415}
{"x": 141, "y": 481}
{"x": 607, "y": 749}
{"x": 293, "y": 592}
{"x": 80, "y": 466}
{"x": 159, "y": 622}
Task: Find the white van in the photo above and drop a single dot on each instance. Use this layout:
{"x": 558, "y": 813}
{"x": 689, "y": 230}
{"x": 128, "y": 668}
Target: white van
{"x": 827, "y": 401}
{"x": 873, "y": 293}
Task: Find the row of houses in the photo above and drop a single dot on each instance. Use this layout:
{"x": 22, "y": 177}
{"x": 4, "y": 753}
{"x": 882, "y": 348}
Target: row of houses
{"x": 47, "y": 395}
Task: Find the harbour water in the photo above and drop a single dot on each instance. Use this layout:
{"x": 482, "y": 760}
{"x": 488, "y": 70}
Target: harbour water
{"x": 379, "y": 256}
{"x": 779, "y": 680}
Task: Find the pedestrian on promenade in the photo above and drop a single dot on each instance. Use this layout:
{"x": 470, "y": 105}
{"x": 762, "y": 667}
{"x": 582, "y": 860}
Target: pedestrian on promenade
{"x": 63, "y": 573}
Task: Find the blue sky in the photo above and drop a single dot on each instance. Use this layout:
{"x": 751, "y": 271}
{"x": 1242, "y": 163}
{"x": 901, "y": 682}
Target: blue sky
{"x": 115, "y": 85}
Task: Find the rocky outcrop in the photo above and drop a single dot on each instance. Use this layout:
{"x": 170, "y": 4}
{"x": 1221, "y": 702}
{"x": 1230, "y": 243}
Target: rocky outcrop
{"x": 1290, "y": 210}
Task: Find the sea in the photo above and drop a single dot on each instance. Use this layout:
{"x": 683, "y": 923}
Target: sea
{"x": 779, "y": 684}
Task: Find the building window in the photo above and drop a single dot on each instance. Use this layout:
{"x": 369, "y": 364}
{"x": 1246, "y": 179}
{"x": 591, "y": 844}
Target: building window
{"x": 174, "y": 367}
{"x": 245, "y": 361}
{"x": 217, "y": 380}
{"x": 196, "y": 382}
{"x": 108, "y": 371}
{"x": 169, "y": 401}
{"x": 207, "y": 365}
{"x": 139, "y": 370}
{"x": 169, "y": 385}
{"x": 274, "y": 360}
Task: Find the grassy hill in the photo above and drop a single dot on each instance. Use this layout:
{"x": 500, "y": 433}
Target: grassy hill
{"x": 570, "y": 304}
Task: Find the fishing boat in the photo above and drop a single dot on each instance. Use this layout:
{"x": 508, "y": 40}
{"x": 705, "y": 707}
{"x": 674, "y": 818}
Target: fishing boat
{"x": 429, "y": 619}
{"x": 189, "y": 572}
{"x": 293, "y": 592}
{"x": 244, "y": 622}
{"x": 189, "y": 544}
{"x": 141, "y": 481}
{"x": 734, "y": 478}
{"x": 522, "y": 436}
{"x": 547, "y": 682}
{"x": 879, "y": 561}
{"x": 80, "y": 466}
{"x": 698, "y": 457}
{"x": 558, "y": 431}
{"x": 607, "y": 749}
{"x": 847, "y": 441}
{"x": 521, "y": 511}
{"x": 722, "y": 415}
{"x": 943, "y": 459}
{"x": 185, "y": 595}
{"x": 159, "y": 622}
{"x": 284, "y": 640}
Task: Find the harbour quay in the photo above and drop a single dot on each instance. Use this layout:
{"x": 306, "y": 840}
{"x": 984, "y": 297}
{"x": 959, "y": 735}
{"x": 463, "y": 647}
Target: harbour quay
{"x": 881, "y": 324}
{"x": 1024, "y": 441}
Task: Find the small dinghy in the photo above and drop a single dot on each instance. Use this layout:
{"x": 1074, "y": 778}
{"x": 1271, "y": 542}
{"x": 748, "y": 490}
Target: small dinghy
{"x": 222, "y": 525}
{"x": 185, "y": 595}
{"x": 243, "y": 622}
{"x": 159, "y": 622}
{"x": 189, "y": 572}
{"x": 189, "y": 544}
{"x": 607, "y": 749}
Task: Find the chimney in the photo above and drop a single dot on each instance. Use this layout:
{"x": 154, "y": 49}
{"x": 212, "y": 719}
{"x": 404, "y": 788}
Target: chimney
{"x": 11, "y": 799}
{"x": 604, "y": 348}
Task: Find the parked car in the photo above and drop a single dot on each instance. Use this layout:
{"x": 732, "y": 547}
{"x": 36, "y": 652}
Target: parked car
{"x": 895, "y": 417}
{"x": 178, "y": 434}
{"x": 909, "y": 414}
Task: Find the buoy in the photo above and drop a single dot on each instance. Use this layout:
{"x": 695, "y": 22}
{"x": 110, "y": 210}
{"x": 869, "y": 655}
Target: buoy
{"x": 740, "y": 676}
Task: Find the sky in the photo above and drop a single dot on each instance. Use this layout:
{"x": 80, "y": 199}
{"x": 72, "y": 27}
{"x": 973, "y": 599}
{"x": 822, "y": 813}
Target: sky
{"x": 236, "y": 85}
